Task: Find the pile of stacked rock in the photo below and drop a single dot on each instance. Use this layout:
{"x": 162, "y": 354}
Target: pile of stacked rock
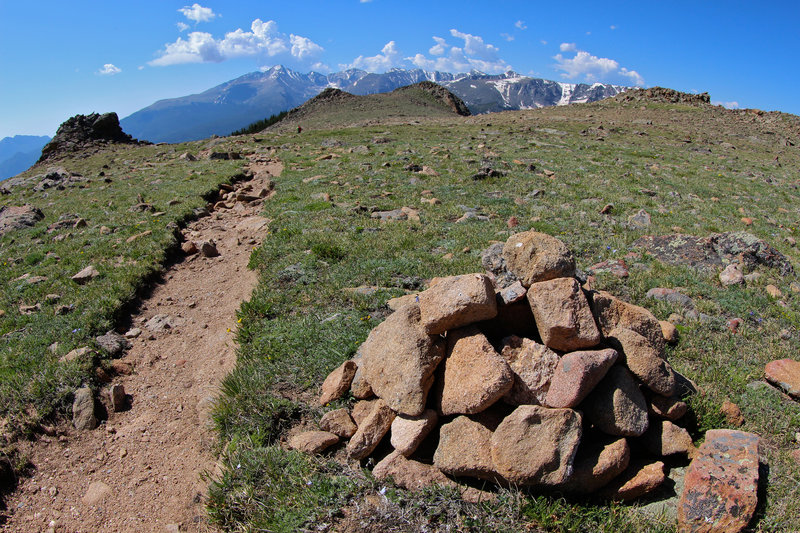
{"x": 519, "y": 377}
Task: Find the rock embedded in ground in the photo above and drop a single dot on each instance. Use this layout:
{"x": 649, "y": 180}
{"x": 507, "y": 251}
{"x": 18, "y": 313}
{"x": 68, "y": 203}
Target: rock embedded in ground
{"x": 117, "y": 397}
{"x": 159, "y": 323}
{"x": 535, "y": 257}
{"x": 644, "y": 361}
{"x": 533, "y": 366}
{"x": 113, "y": 343}
{"x": 595, "y": 468}
{"x": 409, "y": 431}
{"x": 732, "y": 413}
{"x": 371, "y": 431}
{"x": 563, "y": 315}
{"x": 339, "y": 423}
{"x": 313, "y": 442}
{"x": 457, "y": 301}
{"x": 671, "y": 296}
{"x": 399, "y": 360}
{"x": 536, "y": 445}
{"x": 638, "y": 480}
{"x": 465, "y": 450}
{"x": 616, "y": 406}
{"x": 732, "y": 275}
{"x": 85, "y": 275}
{"x": 576, "y": 374}
{"x": 409, "y": 474}
{"x": 18, "y": 217}
{"x": 785, "y": 373}
{"x": 189, "y": 248}
{"x": 83, "y": 416}
{"x": 721, "y": 486}
{"x": 208, "y": 249}
{"x": 473, "y": 375}
{"x": 611, "y": 312}
{"x": 337, "y": 383}
{"x": 96, "y": 493}
{"x": 640, "y": 219}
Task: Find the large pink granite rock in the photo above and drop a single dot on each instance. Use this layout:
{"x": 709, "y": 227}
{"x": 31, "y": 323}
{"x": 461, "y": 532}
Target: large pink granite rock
{"x": 457, "y": 301}
{"x": 563, "y": 315}
{"x": 533, "y": 366}
{"x": 534, "y": 256}
{"x": 576, "y": 375}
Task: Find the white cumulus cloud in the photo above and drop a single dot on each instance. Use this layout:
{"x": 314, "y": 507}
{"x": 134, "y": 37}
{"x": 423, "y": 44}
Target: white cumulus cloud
{"x": 592, "y": 68}
{"x": 507, "y": 36}
{"x": 475, "y": 54}
{"x": 520, "y": 24}
{"x": 439, "y": 48}
{"x": 197, "y": 13}
{"x": 263, "y": 40}
{"x": 388, "y": 58}
{"x": 109, "y": 69}
{"x": 182, "y": 26}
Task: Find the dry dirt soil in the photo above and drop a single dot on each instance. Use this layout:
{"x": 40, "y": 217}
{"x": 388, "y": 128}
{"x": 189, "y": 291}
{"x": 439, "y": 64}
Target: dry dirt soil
{"x": 140, "y": 470}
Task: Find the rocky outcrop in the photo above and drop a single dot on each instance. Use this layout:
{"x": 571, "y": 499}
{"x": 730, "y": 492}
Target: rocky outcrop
{"x": 17, "y": 217}
{"x": 85, "y": 131}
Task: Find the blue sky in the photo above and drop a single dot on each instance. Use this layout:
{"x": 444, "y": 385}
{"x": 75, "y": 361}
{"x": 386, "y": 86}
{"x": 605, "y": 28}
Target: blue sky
{"x": 62, "y": 58}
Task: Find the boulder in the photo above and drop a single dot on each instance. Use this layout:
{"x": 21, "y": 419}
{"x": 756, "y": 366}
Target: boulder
{"x": 563, "y": 315}
{"x": 720, "y": 490}
{"x": 339, "y": 423}
{"x": 576, "y": 374}
{"x": 313, "y": 442}
{"x": 83, "y": 416}
{"x": 473, "y": 375}
{"x": 457, "y": 301}
{"x": 371, "y": 431}
{"x": 409, "y": 431}
{"x": 337, "y": 383}
{"x": 535, "y": 257}
{"x": 465, "y": 450}
{"x": 536, "y": 445}
{"x": 399, "y": 360}
{"x": 533, "y": 366}
{"x": 595, "y": 466}
{"x": 612, "y": 313}
{"x": 785, "y": 373}
{"x": 616, "y": 405}
{"x": 644, "y": 360}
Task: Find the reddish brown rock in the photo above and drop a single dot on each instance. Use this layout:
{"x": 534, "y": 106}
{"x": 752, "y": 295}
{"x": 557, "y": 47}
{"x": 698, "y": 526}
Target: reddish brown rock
{"x": 576, "y": 374}
{"x": 611, "y": 313}
{"x": 189, "y": 248}
{"x": 457, "y": 301}
{"x": 409, "y": 474}
{"x": 371, "y": 431}
{"x": 616, "y": 405}
{"x": 670, "y": 408}
{"x": 637, "y": 480}
{"x": 409, "y": 431}
{"x": 785, "y": 373}
{"x": 533, "y": 366}
{"x": 399, "y": 360}
{"x": 534, "y": 257}
{"x": 721, "y": 486}
{"x": 596, "y": 466}
{"x": 664, "y": 438}
{"x": 337, "y": 383}
{"x": 732, "y": 413}
{"x": 312, "y": 442}
{"x": 360, "y": 389}
{"x": 339, "y": 423}
{"x": 536, "y": 445}
{"x": 465, "y": 450}
{"x": 670, "y": 332}
{"x": 473, "y": 375}
{"x": 361, "y": 410}
{"x": 563, "y": 315}
{"x": 644, "y": 360}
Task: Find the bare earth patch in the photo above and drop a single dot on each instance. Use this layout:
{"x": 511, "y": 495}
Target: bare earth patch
{"x": 141, "y": 470}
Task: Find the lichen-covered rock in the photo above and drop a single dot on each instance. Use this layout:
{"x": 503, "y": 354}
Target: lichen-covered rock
{"x": 399, "y": 360}
{"x": 616, "y": 405}
{"x": 473, "y": 375}
{"x": 533, "y": 366}
{"x": 457, "y": 301}
{"x": 536, "y": 445}
{"x": 534, "y": 257}
{"x": 576, "y": 374}
{"x": 720, "y": 491}
{"x": 644, "y": 360}
{"x": 563, "y": 315}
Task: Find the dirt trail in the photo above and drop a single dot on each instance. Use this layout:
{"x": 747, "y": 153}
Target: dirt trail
{"x": 140, "y": 470}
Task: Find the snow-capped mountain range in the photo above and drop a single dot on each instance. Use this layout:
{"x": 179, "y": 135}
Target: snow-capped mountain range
{"x": 258, "y": 95}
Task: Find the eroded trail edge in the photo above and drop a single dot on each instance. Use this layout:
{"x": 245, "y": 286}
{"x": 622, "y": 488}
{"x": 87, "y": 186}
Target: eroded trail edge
{"x": 141, "y": 469}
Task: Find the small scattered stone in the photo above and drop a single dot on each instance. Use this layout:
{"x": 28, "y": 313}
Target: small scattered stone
{"x": 670, "y": 332}
{"x": 119, "y": 400}
{"x": 732, "y": 275}
{"x": 640, "y": 219}
{"x": 189, "y": 248}
{"x": 732, "y": 413}
{"x": 773, "y": 291}
{"x": 97, "y": 492}
{"x": 85, "y": 275}
{"x": 734, "y": 324}
{"x": 133, "y": 333}
{"x": 313, "y": 442}
{"x": 208, "y": 249}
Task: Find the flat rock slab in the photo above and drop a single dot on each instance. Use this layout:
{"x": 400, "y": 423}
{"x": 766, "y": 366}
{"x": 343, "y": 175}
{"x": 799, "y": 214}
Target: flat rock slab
{"x": 721, "y": 487}
{"x": 18, "y": 217}
{"x": 785, "y": 373}
{"x": 313, "y": 442}
{"x": 457, "y": 301}
{"x": 713, "y": 251}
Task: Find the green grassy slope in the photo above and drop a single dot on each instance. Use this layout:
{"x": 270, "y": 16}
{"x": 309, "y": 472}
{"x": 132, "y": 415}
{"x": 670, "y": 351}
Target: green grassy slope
{"x": 695, "y": 170}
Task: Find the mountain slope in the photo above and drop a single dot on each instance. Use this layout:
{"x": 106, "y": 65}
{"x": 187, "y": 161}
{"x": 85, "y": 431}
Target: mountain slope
{"x": 19, "y": 152}
{"x": 257, "y": 95}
